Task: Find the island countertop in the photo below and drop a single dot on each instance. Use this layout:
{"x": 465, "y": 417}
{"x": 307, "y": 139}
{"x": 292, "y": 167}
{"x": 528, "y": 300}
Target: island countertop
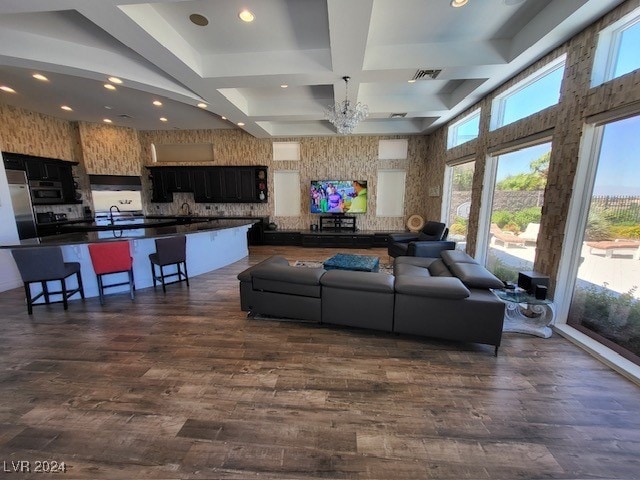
{"x": 131, "y": 232}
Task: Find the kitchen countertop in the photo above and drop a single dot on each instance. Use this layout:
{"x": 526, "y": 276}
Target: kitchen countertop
{"x": 133, "y": 232}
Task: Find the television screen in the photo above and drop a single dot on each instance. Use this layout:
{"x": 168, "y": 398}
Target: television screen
{"x": 338, "y": 196}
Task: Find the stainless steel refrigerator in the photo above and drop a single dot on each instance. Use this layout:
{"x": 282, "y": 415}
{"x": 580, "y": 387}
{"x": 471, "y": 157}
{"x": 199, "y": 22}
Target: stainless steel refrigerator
{"x": 21, "y": 201}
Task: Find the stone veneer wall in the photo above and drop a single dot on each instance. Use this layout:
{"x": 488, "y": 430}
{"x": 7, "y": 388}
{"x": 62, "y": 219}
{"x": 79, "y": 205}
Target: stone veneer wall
{"x": 342, "y": 157}
{"x": 23, "y": 131}
{"x": 564, "y": 124}
{"x": 109, "y": 149}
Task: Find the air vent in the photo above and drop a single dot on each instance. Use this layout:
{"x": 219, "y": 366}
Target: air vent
{"x": 425, "y": 74}
{"x": 124, "y": 115}
{"x": 398, "y": 115}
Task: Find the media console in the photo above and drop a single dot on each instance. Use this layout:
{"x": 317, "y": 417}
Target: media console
{"x": 309, "y": 238}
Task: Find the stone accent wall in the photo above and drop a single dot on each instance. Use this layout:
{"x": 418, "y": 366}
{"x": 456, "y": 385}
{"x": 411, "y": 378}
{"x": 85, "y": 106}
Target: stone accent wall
{"x": 564, "y": 122}
{"x": 109, "y": 150}
{"x": 23, "y": 131}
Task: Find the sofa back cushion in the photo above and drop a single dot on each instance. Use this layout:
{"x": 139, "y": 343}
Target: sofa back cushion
{"x": 456, "y": 256}
{"x": 439, "y": 269}
{"x": 438, "y": 287}
{"x": 289, "y": 280}
{"x": 408, "y": 269}
{"x": 475, "y": 276}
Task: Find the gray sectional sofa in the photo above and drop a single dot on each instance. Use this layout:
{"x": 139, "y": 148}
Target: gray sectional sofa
{"x": 446, "y": 297}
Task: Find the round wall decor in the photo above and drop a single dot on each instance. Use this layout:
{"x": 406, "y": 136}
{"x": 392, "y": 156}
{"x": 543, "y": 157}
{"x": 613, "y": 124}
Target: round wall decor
{"x": 415, "y": 223}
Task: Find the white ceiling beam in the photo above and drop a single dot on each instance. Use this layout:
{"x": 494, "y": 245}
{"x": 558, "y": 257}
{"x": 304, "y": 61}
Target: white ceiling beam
{"x": 267, "y": 63}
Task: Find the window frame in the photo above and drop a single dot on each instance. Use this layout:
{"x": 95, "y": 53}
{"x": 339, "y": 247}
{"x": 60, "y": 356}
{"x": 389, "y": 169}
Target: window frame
{"x": 452, "y": 131}
{"x": 499, "y": 102}
{"x": 608, "y": 48}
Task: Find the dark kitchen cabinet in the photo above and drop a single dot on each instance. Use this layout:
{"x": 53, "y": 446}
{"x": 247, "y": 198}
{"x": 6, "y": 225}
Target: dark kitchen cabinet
{"x": 238, "y": 185}
{"x": 159, "y": 191}
{"x": 227, "y": 184}
{"x": 13, "y": 161}
{"x": 177, "y": 179}
{"x": 68, "y": 184}
{"x": 43, "y": 170}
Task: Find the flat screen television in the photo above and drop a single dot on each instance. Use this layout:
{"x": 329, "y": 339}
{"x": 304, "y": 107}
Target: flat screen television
{"x": 338, "y": 196}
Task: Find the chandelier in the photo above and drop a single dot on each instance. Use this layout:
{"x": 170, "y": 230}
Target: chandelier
{"x": 344, "y": 116}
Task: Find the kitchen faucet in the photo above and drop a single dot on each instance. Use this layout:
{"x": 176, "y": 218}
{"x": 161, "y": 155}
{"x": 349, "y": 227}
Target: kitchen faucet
{"x": 188, "y": 208}
{"x": 111, "y": 213}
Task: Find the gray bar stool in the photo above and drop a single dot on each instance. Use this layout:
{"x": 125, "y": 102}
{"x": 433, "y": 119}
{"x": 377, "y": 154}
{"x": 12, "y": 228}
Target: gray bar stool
{"x": 170, "y": 251}
{"x": 42, "y": 265}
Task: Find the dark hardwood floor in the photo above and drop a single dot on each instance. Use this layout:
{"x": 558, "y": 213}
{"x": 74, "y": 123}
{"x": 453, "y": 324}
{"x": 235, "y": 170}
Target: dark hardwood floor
{"x": 184, "y": 385}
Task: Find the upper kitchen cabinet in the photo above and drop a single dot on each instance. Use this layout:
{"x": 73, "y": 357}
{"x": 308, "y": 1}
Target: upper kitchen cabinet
{"x": 41, "y": 169}
{"x": 227, "y": 184}
{"x": 38, "y": 169}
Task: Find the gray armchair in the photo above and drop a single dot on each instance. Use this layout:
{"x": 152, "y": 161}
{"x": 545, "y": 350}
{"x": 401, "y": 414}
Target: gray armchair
{"x": 429, "y": 242}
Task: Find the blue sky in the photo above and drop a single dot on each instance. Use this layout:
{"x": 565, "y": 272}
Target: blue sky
{"x": 518, "y": 162}
{"x": 619, "y": 166}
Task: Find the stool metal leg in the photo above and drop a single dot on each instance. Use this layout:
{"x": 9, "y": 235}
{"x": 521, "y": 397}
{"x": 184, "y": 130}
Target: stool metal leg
{"x": 45, "y": 291}
{"x": 27, "y": 291}
{"x": 100, "y": 289}
{"x": 186, "y": 275}
{"x": 63, "y": 282}
{"x": 164, "y": 288}
{"x": 80, "y": 285}
{"x": 131, "y": 284}
{"x": 153, "y": 274}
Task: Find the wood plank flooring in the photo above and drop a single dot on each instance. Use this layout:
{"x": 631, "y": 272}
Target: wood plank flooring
{"x": 185, "y": 386}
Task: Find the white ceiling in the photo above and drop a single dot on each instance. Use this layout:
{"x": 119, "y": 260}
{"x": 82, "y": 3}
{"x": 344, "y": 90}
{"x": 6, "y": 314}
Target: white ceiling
{"x": 237, "y": 68}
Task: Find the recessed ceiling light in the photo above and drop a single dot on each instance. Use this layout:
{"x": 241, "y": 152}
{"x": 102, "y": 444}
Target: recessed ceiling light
{"x": 67, "y": 108}
{"x": 223, "y": 117}
{"x": 413, "y": 80}
{"x": 163, "y": 119}
{"x": 115, "y": 80}
{"x": 107, "y": 120}
{"x": 241, "y": 124}
{"x": 108, "y": 86}
{"x": 199, "y": 20}
{"x": 39, "y": 76}
{"x": 458, "y": 3}
{"x": 246, "y": 16}
{"x": 202, "y": 105}
{"x": 157, "y": 103}
{"x": 284, "y": 85}
{"x": 4, "y": 88}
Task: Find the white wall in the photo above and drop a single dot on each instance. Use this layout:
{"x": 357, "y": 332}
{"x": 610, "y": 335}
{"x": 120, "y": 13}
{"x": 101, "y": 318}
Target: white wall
{"x": 9, "y": 275}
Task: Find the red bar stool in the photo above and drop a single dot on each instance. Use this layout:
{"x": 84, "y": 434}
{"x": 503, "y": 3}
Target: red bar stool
{"x": 170, "y": 251}
{"x": 42, "y": 265}
{"x": 109, "y": 258}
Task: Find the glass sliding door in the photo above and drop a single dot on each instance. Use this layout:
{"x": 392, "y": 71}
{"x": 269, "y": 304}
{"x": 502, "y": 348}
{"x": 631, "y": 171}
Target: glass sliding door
{"x": 516, "y": 205}
{"x": 606, "y": 301}
{"x": 459, "y": 202}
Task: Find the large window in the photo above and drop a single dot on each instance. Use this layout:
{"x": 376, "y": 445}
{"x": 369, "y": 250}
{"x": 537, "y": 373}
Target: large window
{"x": 457, "y": 203}
{"x": 535, "y": 93}
{"x": 464, "y": 130}
{"x": 617, "y": 51}
{"x": 519, "y": 179}
{"x": 606, "y": 301}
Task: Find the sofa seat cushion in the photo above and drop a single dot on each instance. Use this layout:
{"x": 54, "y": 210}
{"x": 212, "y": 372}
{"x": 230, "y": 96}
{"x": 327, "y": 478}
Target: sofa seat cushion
{"x": 245, "y": 275}
{"x": 457, "y": 256}
{"x": 289, "y": 280}
{"x": 362, "y": 281}
{"x": 475, "y": 276}
{"x": 438, "y": 287}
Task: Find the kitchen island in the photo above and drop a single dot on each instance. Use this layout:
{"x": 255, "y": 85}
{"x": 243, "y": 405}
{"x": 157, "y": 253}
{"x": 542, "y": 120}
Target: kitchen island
{"x": 211, "y": 244}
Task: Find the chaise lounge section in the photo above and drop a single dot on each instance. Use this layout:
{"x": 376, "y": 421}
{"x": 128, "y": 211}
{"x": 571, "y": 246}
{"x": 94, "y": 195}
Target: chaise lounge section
{"x": 446, "y": 298}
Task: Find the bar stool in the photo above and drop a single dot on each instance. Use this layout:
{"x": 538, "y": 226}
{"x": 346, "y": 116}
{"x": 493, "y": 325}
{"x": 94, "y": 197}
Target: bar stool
{"x": 42, "y": 265}
{"x": 110, "y": 258}
{"x": 170, "y": 251}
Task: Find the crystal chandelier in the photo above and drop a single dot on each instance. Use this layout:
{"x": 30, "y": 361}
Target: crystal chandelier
{"x": 344, "y": 116}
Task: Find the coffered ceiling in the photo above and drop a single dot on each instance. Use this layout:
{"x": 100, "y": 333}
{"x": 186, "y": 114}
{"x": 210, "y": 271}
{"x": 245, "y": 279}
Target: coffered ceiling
{"x": 237, "y": 69}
